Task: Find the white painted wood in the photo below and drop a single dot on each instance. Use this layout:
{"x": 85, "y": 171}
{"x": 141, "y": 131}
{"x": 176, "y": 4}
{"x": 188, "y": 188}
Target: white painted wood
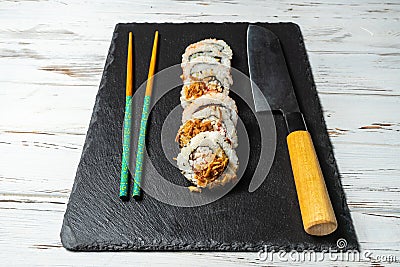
{"x": 51, "y": 59}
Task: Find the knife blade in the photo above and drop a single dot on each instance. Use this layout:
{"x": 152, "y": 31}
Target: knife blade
{"x": 272, "y": 63}
{"x": 269, "y": 73}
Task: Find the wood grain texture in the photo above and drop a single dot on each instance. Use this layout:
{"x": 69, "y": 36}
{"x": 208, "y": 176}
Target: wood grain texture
{"x": 315, "y": 205}
{"x": 60, "y": 46}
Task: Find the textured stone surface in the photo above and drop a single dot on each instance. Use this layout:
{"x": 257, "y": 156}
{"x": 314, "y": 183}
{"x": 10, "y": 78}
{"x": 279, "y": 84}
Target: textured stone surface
{"x": 96, "y": 219}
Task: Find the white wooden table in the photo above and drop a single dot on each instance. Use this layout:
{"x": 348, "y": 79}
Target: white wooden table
{"x": 51, "y": 58}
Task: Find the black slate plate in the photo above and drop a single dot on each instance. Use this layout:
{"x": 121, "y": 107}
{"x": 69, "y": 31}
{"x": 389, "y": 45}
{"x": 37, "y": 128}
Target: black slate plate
{"x": 96, "y": 219}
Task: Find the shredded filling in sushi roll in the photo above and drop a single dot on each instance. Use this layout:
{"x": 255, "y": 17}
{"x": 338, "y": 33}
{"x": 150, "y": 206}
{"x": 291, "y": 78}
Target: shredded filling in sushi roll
{"x": 198, "y": 87}
{"x": 208, "y": 160}
{"x": 207, "y": 166}
{"x": 204, "y": 82}
{"x": 195, "y": 126}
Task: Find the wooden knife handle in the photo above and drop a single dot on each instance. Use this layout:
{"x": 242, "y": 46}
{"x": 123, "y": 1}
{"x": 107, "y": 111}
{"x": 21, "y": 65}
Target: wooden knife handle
{"x": 315, "y": 205}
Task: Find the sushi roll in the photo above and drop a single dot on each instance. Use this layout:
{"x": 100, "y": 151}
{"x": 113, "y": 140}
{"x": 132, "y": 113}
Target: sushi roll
{"x": 204, "y": 77}
{"x": 194, "y": 126}
{"x": 213, "y": 104}
{"x": 208, "y": 160}
{"x": 194, "y": 88}
{"x": 206, "y": 68}
{"x": 203, "y": 67}
{"x": 218, "y": 49}
{"x": 209, "y": 59}
{"x": 208, "y": 136}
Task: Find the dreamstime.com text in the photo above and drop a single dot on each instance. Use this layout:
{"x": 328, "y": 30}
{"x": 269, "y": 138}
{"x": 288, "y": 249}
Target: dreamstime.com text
{"x": 339, "y": 254}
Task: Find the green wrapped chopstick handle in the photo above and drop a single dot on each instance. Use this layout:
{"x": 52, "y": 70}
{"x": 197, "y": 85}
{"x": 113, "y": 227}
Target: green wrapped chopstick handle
{"x": 137, "y": 180}
{"x": 126, "y": 145}
{"x": 126, "y": 148}
{"x": 140, "y": 148}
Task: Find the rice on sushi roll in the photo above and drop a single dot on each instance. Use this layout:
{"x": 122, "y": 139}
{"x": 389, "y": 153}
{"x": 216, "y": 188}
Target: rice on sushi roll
{"x": 200, "y": 78}
{"x": 194, "y": 126}
{"x": 218, "y": 49}
{"x": 216, "y": 104}
{"x": 208, "y": 119}
{"x": 208, "y": 160}
{"x": 206, "y": 68}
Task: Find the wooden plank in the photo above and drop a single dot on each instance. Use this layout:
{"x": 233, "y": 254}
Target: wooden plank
{"x": 36, "y": 241}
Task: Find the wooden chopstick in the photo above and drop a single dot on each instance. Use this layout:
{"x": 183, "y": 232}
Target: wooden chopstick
{"x": 124, "y": 181}
{"x": 143, "y": 121}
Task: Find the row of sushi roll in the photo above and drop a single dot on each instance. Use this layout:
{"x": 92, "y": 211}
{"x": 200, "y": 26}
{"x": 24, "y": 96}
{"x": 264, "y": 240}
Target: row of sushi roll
{"x": 207, "y": 136}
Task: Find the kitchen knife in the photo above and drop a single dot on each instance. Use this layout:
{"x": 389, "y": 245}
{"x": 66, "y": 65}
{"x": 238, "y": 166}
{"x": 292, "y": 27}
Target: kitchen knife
{"x": 268, "y": 71}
